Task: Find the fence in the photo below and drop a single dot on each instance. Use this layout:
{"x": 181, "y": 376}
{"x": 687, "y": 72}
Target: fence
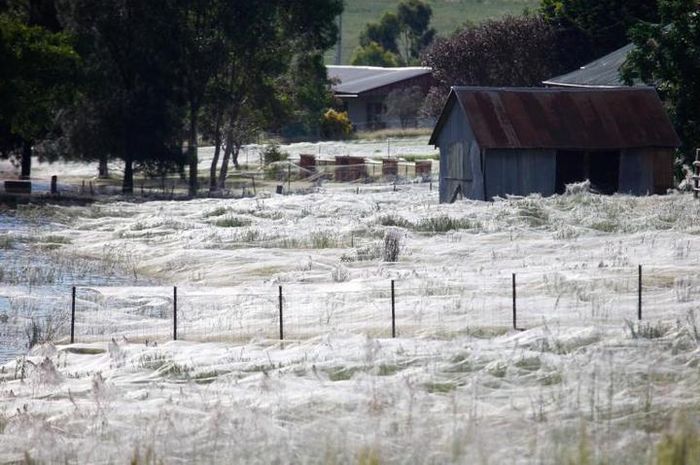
{"x": 399, "y": 308}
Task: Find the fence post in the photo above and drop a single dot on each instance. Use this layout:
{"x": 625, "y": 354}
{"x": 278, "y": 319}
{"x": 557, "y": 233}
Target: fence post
{"x": 393, "y": 310}
{"x": 515, "y": 324}
{"x": 174, "y": 313}
{"x": 281, "y": 317}
{"x": 639, "y": 294}
{"x": 72, "y": 318}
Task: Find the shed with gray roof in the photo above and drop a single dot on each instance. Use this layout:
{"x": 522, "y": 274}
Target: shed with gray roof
{"x": 363, "y": 90}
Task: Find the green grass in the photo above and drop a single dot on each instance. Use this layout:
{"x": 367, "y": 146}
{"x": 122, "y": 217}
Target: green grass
{"x": 448, "y": 15}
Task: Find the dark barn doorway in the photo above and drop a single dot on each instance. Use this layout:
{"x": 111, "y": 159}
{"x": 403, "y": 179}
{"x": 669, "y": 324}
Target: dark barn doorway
{"x": 601, "y": 168}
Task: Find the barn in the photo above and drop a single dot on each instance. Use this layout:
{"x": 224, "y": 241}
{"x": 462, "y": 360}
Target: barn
{"x": 517, "y": 141}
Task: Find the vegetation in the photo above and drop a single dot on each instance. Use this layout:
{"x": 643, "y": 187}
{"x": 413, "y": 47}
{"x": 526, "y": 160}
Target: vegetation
{"x": 513, "y": 51}
{"x": 398, "y": 37}
{"x": 37, "y": 70}
{"x": 143, "y": 82}
{"x": 448, "y": 16}
{"x": 336, "y": 125}
{"x": 667, "y": 55}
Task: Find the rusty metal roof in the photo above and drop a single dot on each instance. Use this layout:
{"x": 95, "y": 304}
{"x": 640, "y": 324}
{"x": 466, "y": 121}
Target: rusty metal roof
{"x": 563, "y": 118}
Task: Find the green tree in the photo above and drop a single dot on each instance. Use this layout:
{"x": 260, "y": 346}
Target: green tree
{"x": 416, "y": 33}
{"x": 667, "y": 55}
{"x": 590, "y": 29}
{"x": 270, "y": 38}
{"x": 384, "y": 33}
{"x": 398, "y": 38}
{"x": 373, "y": 54}
{"x": 37, "y": 74}
{"x": 129, "y": 95}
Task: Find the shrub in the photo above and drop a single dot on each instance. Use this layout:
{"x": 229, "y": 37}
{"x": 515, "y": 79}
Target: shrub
{"x": 393, "y": 220}
{"x": 273, "y": 153}
{"x": 444, "y": 223}
{"x": 231, "y": 222}
{"x": 392, "y": 245}
{"x": 336, "y": 125}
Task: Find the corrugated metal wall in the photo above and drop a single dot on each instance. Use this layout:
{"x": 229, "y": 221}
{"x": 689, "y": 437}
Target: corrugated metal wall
{"x": 636, "y": 172}
{"x": 520, "y": 172}
{"x": 460, "y": 159}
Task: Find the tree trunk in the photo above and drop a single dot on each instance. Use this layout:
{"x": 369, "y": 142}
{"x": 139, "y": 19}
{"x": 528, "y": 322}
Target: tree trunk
{"x": 192, "y": 152}
{"x": 102, "y": 168}
{"x": 128, "y": 182}
{"x": 224, "y": 162}
{"x": 217, "y": 149}
{"x": 26, "y": 168}
{"x": 234, "y": 156}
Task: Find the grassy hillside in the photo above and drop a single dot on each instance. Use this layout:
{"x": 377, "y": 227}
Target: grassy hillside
{"x": 448, "y": 15}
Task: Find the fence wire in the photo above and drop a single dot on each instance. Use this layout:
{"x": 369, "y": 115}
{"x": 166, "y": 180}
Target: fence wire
{"x": 602, "y": 297}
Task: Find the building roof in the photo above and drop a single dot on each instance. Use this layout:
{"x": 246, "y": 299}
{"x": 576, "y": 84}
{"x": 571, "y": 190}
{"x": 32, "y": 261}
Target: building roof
{"x": 354, "y": 80}
{"x": 603, "y": 72}
{"x": 562, "y": 118}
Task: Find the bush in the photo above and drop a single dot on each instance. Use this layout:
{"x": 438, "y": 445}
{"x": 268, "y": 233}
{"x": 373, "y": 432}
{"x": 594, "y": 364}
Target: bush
{"x": 336, "y": 125}
{"x": 444, "y": 223}
{"x": 273, "y": 153}
{"x": 392, "y": 245}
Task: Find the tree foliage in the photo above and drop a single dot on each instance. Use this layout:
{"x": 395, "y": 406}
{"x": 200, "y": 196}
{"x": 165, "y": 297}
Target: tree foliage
{"x": 590, "y": 29}
{"x": 398, "y": 38}
{"x": 374, "y": 54}
{"x": 129, "y": 93}
{"x": 667, "y": 55}
{"x": 37, "y": 72}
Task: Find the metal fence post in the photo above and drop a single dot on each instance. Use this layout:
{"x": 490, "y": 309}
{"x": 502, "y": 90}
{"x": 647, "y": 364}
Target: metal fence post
{"x": 639, "y": 294}
{"x": 72, "y": 318}
{"x": 393, "y": 310}
{"x": 515, "y": 325}
{"x": 174, "y": 313}
{"x": 281, "y": 317}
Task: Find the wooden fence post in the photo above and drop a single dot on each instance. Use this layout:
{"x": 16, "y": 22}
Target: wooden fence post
{"x": 174, "y": 313}
{"x": 515, "y": 321}
{"x": 72, "y": 318}
{"x": 281, "y": 317}
{"x": 393, "y": 310}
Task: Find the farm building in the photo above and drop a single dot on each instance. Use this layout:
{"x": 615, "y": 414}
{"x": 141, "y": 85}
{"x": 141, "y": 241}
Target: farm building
{"x": 363, "y": 91}
{"x": 517, "y": 141}
{"x": 601, "y": 73}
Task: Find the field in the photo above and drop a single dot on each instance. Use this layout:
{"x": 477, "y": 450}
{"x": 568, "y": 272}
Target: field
{"x": 448, "y": 16}
{"x": 582, "y": 382}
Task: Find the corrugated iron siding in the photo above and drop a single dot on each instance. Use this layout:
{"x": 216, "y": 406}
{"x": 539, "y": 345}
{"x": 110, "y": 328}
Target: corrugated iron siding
{"x": 520, "y": 172}
{"x": 577, "y": 119}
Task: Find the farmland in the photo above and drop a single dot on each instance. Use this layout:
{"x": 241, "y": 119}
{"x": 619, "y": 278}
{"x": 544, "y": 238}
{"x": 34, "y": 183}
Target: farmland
{"x": 582, "y": 383}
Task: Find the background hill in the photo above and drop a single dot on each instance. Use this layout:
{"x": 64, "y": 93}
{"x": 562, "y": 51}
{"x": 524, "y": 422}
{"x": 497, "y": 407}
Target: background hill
{"x": 448, "y": 15}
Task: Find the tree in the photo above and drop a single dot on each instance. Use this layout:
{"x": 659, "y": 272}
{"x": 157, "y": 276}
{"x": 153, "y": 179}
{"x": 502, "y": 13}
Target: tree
{"x": 404, "y": 104}
{"x": 384, "y": 33}
{"x": 416, "y": 33}
{"x": 593, "y": 28}
{"x": 373, "y": 54}
{"x": 129, "y": 93}
{"x": 268, "y": 38}
{"x": 409, "y": 26}
{"x": 667, "y": 55}
{"x": 37, "y": 72}
{"x": 511, "y": 51}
